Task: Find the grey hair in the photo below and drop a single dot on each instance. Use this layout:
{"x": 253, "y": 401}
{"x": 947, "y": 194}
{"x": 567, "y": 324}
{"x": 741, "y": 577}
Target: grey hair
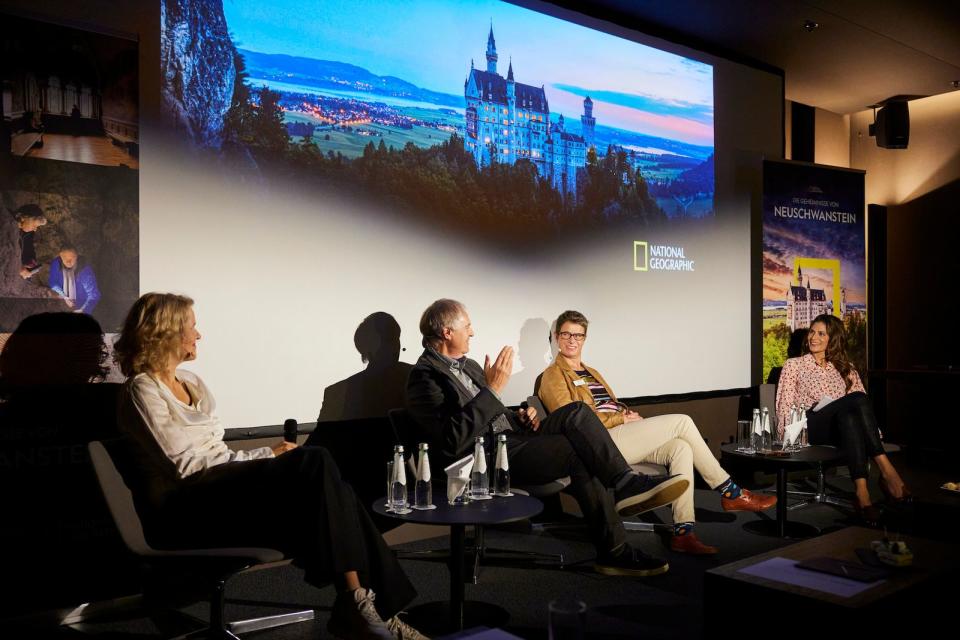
{"x": 439, "y": 316}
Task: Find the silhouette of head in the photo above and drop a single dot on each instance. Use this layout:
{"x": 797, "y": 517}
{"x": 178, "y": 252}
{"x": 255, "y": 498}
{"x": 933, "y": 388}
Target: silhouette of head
{"x": 30, "y": 217}
{"x": 377, "y": 339}
{"x": 52, "y": 349}
{"x": 797, "y": 339}
{"x": 530, "y": 348}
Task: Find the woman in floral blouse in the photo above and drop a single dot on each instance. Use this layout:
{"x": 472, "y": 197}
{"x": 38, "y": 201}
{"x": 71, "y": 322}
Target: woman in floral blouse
{"x": 824, "y": 373}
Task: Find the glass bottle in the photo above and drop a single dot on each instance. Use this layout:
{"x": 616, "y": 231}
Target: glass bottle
{"x": 479, "y": 480}
{"x": 501, "y": 483}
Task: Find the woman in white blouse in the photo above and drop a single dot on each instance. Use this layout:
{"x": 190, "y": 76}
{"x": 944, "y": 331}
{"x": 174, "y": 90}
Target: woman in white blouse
{"x": 194, "y": 491}
{"x": 825, "y": 372}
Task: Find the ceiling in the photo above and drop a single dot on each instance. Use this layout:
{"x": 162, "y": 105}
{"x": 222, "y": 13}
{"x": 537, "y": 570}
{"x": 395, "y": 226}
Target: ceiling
{"x": 862, "y": 52}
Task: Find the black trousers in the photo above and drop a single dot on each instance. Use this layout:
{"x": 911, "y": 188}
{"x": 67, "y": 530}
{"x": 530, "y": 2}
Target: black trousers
{"x": 295, "y": 503}
{"x": 850, "y": 424}
{"x": 573, "y": 442}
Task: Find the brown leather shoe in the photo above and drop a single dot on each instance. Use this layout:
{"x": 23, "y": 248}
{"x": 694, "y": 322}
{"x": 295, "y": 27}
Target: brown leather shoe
{"x": 748, "y": 502}
{"x": 689, "y": 543}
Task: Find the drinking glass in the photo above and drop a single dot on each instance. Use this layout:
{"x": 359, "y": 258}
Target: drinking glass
{"x": 389, "y": 484}
{"x": 744, "y": 437}
{"x": 566, "y": 618}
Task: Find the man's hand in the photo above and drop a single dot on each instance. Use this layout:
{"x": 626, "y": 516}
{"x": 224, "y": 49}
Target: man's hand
{"x": 68, "y": 302}
{"x": 528, "y": 417}
{"x": 498, "y": 373}
{"x": 631, "y": 416}
{"x": 282, "y": 447}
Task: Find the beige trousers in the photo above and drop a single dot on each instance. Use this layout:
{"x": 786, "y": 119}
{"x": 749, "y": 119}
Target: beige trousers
{"x": 675, "y": 442}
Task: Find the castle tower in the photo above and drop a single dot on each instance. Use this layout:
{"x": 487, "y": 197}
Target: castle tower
{"x": 491, "y": 52}
{"x": 511, "y": 88}
{"x": 588, "y": 123}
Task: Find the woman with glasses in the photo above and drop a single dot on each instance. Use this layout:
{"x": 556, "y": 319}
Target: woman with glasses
{"x": 669, "y": 440}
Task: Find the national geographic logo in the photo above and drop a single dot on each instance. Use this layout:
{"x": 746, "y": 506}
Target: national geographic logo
{"x": 660, "y": 257}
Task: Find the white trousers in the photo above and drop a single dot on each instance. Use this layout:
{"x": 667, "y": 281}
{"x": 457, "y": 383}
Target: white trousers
{"x": 674, "y": 442}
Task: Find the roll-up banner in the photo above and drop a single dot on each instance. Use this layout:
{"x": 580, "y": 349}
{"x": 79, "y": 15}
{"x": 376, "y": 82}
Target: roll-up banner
{"x": 814, "y": 257}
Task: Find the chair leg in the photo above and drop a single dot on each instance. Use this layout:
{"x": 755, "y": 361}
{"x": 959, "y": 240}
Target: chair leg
{"x": 482, "y": 550}
{"x": 819, "y": 496}
{"x": 219, "y": 629}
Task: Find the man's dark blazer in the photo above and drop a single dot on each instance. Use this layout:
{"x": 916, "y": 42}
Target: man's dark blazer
{"x": 445, "y": 410}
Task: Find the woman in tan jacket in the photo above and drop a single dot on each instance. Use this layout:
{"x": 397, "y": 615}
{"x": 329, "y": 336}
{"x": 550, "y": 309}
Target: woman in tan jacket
{"x": 669, "y": 440}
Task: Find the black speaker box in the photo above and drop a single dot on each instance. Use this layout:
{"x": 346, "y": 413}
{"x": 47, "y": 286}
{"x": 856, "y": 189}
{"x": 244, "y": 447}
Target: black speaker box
{"x": 893, "y": 125}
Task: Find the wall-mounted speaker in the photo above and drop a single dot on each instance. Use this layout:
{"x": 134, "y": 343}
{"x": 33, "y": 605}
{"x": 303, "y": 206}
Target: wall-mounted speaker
{"x": 892, "y": 127}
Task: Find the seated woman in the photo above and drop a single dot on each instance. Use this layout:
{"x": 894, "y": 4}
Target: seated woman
{"x": 848, "y": 421}
{"x": 669, "y": 440}
{"x": 199, "y": 493}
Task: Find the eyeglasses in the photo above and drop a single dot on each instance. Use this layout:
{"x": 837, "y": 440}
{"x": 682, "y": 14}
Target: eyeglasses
{"x": 566, "y": 335}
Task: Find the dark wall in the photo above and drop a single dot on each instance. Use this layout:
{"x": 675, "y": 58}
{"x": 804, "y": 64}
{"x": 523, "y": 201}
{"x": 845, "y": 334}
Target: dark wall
{"x": 922, "y": 369}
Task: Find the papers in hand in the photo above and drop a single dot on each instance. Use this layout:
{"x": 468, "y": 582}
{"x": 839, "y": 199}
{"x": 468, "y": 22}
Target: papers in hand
{"x": 824, "y": 401}
{"x": 792, "y": 432}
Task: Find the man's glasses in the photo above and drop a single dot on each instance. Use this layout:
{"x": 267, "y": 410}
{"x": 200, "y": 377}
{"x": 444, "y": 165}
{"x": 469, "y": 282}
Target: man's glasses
{"x": 566, "y": 335}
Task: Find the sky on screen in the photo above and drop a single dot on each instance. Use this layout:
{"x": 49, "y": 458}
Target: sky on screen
{"x": 431, "y": 42}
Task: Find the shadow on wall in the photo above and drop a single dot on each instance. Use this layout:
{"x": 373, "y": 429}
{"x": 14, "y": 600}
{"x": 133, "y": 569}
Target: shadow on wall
{"x": 381, "y": 385}
{"x": 535, "y": 353}
{"x": 67, "y": 549}
{"x": 794, "y": 350}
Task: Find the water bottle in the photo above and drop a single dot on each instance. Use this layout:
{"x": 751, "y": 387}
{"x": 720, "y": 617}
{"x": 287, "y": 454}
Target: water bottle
{"x": 423, "y": 490}
{"x": 765, "y": 428}
{"x": 756, "y": 429}
{"x": 479, "y": 482}
{"x": 501, "y": 482}
{"x": 398, "y": 488}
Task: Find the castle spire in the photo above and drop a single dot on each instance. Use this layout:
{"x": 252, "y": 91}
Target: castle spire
{"x": 491, "y": 51}
{"x": 510, "y": 70}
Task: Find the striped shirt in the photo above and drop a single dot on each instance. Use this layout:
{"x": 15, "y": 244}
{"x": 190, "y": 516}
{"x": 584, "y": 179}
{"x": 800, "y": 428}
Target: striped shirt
{"x": 601, "y": 397}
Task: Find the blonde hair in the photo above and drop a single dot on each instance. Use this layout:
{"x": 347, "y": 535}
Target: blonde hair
{"x": 151, "y": 333}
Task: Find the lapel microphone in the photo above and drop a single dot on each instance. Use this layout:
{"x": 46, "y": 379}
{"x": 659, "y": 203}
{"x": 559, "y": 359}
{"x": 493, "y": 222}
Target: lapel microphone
{"x": 290, "y": 427}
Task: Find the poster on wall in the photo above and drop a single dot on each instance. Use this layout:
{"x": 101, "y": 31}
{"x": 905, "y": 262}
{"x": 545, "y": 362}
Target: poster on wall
{"x": 814, "y": 257}
{"x": 69, "y": 148}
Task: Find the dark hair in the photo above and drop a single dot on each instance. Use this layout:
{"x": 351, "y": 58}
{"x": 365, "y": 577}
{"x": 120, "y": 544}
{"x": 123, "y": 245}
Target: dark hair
{"x": 571, "y": 316}
{"x": 29, "y": 211}
{"x": 836, "y": 346}
{"x": 54, "y": 348}
{"x": 439, "y": 316}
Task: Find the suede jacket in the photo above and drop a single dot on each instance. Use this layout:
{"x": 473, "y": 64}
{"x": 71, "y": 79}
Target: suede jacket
{"x": 558, "y": 388}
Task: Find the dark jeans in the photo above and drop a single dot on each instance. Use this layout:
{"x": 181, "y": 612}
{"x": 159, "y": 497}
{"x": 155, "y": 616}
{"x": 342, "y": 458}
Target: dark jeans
{"x": 573, "y": 442}
{"x": 28, "y": 254}
{"x": 295, "y": 503}
{"x": 848, "y": 423}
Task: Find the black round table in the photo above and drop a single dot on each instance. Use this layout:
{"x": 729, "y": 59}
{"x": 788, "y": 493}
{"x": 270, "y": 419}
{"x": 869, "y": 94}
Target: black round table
{"x": 795, "y": 460}
{"x": 479, "y": 512}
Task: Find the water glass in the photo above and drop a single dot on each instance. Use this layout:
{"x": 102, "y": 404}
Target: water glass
{"x": 389, "y": 484}
{"x": 566, "y": 618}
{"x": 744, "y": 436}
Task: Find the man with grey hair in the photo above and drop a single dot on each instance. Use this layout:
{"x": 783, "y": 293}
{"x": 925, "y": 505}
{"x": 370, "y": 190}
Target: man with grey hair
{"x": 453, "y": 399}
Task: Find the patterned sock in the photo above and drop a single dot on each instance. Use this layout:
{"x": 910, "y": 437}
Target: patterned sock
{"x": 682, "y": 528}
{"x": 729, "y": 489}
